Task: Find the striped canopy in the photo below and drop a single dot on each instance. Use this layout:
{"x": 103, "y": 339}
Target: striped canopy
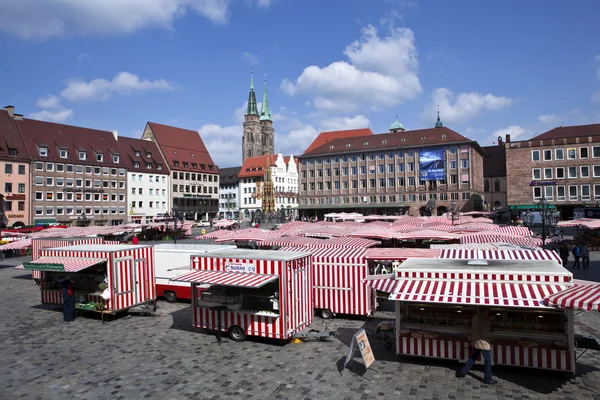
{"x": 583, "y": 295}
{"x": 237, "y": 279}
{"x": 69, "y": 264}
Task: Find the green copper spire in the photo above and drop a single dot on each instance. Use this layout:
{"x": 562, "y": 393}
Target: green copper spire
{"x": 438, "y": 124}
{"x": 252, "y": 107}
{"x": 396, "y": 126}
{"x": 265, "y": 113}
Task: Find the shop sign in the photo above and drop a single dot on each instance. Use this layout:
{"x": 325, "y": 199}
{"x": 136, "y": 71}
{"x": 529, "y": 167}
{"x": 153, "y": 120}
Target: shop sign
{"x": 361, "y": 341}
{"x": 16, "y": 215}
{"x": 542, "y": 183}
{"x": 87, "y": 190}
{"x": 81, "y": 218}
{"x": 240, "y": 267}
{"x": 44, "y": 267}
{"x": 16, "y": 197}
{"x": 196, "y": 195}
{"x": 44, "y": 221}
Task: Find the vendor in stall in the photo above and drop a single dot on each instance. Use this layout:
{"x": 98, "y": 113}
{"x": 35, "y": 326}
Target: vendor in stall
{"x": 481, "y": 345}
{"x": 68, "y": 295}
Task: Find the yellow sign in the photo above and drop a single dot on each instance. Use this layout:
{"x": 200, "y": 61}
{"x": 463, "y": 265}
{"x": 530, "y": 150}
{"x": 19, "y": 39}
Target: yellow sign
{"x": 131, "y": 212}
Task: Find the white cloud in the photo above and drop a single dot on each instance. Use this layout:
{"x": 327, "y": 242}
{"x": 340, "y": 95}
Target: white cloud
{"x": 39, "y": 19}
{"x": 83, "y": 56}
{"x": 50, "y": 102}
{"x": 250, "y": 58}
{"x": 596, "y": 97}
{"x": 464, "y": 106}
{"x": 343, "y": 123}
{"x": 102, "y": 89}
{"x": 597, "y": 58}
{"x": 224, "y": 143}
{"x": 381, "y": 71}
{"x": 550, "y": 119}
{"x": 55, "y": 116}
{"x": 516, "y": 132}
{"x": 263, "y": 3}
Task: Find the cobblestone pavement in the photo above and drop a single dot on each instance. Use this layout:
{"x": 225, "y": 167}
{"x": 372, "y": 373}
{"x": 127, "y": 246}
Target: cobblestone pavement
{"x": 162, "y": 357}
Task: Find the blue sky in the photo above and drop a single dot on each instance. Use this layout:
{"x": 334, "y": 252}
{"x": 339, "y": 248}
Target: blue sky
{"x": 493, "y": 67}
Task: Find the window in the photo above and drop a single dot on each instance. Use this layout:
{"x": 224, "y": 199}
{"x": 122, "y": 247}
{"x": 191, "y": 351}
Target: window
{"x": 70, "y": 168}
{"x": 497, "y": 185}
{"x": 536, "y": 174}
{"x": 354, "y": 170}
{"x": 43, "y": 151}
{"x": 584, "y": 171}
{"x": 21, "y": 188}
{"x": 560, "y": 172}
{"x": 571, "y": 154}
{"x": 410, "y": 167}
{"x": 466, "y": 196}
{"x": 583, "y": 153}
{"x": 596, "y": 151}
{"x": 82, "y": 155}
{"x": 572, "y": 192}
{"x": 537, "y": 192}
{"x": 596, "y": 171}
{"x": 391, "y": 168}
{"x": 453, "y": 164}
{"x": 21, "y": 170}
{"x": 49, "y": 181}
{"x": 549, "y": 192}
{"x": 116, "y": 159}
{"x": 464, "y": 163}
{"x": 99, "y": 157}
{"x": 39, "y": 210}
{"x": 585, "y": 192}
{"x": 547, "y": 155}
{"x": 79, "y": 169}
{"x": 559, "y": 154}
{"x": 39, "y": 166}
{"x": 596, "y": 192}
{"x": 391, "y": 182}
{"x": 411, "y": 181}
{"x": 8, "y": 169}
{"x": 535, "y": 155}
{"x": 572, "y": 172}
{"x": 547, "y": 173}
{"x": 50, "y": 196}
{"x": 60, "y": 181}
{"x": 487, "y": 186}
{"x": 63, "y": 153}
{"x": 381, "y": 169}
{"x": 560, "y": 193}
{"x": 59, "y": 196}
{"x": 8, "y": 187}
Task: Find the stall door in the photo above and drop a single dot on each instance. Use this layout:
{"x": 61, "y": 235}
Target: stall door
{"x": 142, "y": 281}
{"x": 124, "y": 283}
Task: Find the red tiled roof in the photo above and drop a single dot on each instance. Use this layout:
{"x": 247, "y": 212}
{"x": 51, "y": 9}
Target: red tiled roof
{"x": 255, "y": 166}
{"x": 325, "y": 137}
{"x": 71, "y": 138}
{"x": 494, "y": 162}
{"x": 421, "y": 137}
{"x": 570, "y": 132}
{"x": 10, "y": 139}
{"x": 129, "y": 146}
{"x": 183, "y": 146}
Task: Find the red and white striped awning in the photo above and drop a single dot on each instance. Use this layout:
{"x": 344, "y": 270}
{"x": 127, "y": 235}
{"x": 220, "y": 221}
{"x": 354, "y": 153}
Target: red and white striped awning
{"x": 491, "y": 293}
{"x": 333, "y": 255}
{"x": 398, "y": 254}
{"x": 583, "y": 295}
{"x": 500, "y": 254}
{"x": 69, "y": 264}
{"x": 382, "y": 283}
{"x": 237, "y": 279}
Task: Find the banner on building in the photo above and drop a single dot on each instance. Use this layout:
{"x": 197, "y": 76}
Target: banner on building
{"x": 431, "y": 164}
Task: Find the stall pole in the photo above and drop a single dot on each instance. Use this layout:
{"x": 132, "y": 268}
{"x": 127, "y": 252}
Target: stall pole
{"x": 219, "y": 310}
{"x": 571, "y": 338}
{"x": 398, "y": 326}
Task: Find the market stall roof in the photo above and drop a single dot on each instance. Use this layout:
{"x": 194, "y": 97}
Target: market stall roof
{"x": 500, "y": 254}
{"x": 469, "y": 292}
{"x": 400, "y": 253}
{"x": 383, "y": 282}
{"x": 583, "y": 295}
{"x": 61, "y": 264}
{"x": 333, "y": 255}
{"x": 237, "y": 279}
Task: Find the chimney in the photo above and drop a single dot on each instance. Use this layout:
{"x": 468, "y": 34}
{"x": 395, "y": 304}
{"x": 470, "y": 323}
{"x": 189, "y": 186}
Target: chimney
{"x": 10, "y": 110}
{"x": 500, "y": 141}
{"x": 507, "y": 138}
{"x": 18, "y": 117}
{"x": 116, "y": 135}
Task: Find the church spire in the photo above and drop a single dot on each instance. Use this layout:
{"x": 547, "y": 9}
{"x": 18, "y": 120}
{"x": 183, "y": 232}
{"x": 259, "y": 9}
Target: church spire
{"x": 265, "y": 113}
{"x": 438, "y": 124}
{"x": 252, "y": 107}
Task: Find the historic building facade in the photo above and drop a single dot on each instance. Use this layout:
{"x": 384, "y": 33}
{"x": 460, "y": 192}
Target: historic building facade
{"x": 393, "y": 173}
{"x": 14, "y": 171}
{"x": 284, "y": 182}
{"x": 494, "y": 173}
{"x": 561, "y": 165}
{"x": 148, "y": 180}
{"x": 258, "y": 134}
{"x": 229, "y": 193}
{"x": 194, "y": 176}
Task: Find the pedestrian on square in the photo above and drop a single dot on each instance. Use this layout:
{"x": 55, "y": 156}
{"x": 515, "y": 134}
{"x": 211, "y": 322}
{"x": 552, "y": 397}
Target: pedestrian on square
{"x": 135, "y": 240}
{"x": 68, "y": 295}
{"x": 585, "y": 256}
{"x": 481, "y": 345}
{"x": 577, "y": 255}
{"x": 564, "y": 254}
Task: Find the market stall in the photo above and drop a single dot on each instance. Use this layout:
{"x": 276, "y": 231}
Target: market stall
{"x": 437, "y": 299}
{"x": 262, "y": 293}
{"x": 106, "y": 278}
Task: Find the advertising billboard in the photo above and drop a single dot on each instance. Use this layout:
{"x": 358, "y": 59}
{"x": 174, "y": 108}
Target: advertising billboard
{"x": 431, "y": 164}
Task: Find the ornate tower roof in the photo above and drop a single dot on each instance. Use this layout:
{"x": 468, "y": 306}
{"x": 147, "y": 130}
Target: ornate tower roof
{"x": 252, "y": 107}
{"x": 265, "y": 113}
{"x": 396, "y": 126}
{"x": 438, "y": 124}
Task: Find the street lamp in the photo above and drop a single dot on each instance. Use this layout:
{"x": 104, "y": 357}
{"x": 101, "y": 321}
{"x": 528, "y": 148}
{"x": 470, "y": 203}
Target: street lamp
{"x": 174, "y": 214}
{"x": 453, "y": 209}
{"x": 549, "y": 218}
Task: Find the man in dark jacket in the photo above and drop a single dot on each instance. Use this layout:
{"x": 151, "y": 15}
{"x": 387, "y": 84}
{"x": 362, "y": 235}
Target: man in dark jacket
{"x": 577, "y": 255}
{"x": 68, "y": 295}
{"x": 564, "y": 254}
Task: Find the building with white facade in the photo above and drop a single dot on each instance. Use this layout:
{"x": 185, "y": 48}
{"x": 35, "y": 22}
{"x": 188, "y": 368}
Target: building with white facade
{"x": 284, "y": 172}
{"x": 229, "y": 193}
{"x": 148, "y": 180}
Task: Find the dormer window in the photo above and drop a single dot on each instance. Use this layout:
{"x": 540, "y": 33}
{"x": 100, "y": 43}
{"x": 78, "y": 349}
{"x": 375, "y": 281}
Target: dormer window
{"x": 63, "y": 153}
{"x": 331, "y": 147}
{"x": 185, "y": 164}
{"x": 43, "y": 151}
{"x": 176, "y": 163}
{"x": 82, "y": 155}
{"x": 365, "y": 143}
{"x": 194, "y": 165}
{"x": 159, "y": 167}
{"x": 148, "y": 155}
{"x": 116, "y": 159}
{"x": 12, "y": 152}
{"x": 149, "y": 166}
{"x": 137, "y": 153}
{"x": 383, "y": 141}
{"x": 136, "y": 164}
{"x": 99, "y": 157}
{"x": 348, "y": 145}
{"x": 210, "y": 167}
{"x": 202, "y": 166}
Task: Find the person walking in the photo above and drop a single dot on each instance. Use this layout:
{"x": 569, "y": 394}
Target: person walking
{"x": 577, "y": 255}
{"x": 479, "y": 340}
{"x": 135, "y": 240}
{"x": 68, "y": 295}
{"x": 564, "y": 254}
{"x": 585, "y": 256}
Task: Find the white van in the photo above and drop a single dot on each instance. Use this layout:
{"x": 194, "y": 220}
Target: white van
{"x": 171, "y": 260}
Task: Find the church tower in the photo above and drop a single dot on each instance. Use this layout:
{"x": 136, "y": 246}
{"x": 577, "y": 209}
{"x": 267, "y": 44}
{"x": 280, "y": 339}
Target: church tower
{"x": 252, "y": 136}
{"x": 266, "y": 124}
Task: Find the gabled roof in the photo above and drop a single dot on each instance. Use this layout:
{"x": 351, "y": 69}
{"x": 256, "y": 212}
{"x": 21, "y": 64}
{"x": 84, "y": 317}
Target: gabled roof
{"x": 422, "y": 137}
{"x": 129, "y": 147}
{"x": 325, "y": 137}
{"x": 228, "y": 176}
{"x": 56, "y": 137}
{"x": 494, "y": 161}
{"x": 181, "y": 146}
{"x": 570, "y": 132}
{"x": 10, "y": 140}
{"x": 254, "y": 167}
